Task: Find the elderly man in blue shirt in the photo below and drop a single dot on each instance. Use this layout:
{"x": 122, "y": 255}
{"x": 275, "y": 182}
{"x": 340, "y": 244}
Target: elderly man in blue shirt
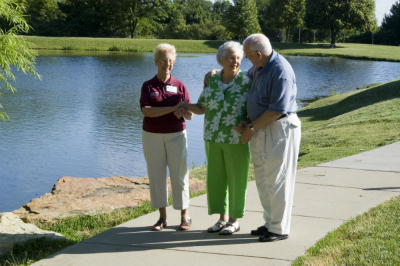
{"x": 274, "y": 131}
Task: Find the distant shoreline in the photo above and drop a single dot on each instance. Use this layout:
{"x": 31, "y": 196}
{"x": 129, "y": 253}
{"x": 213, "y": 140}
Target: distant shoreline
{"x": 343, "y": 50}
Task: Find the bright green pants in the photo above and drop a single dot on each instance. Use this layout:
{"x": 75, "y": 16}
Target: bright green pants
{"x": 227, "y": 173}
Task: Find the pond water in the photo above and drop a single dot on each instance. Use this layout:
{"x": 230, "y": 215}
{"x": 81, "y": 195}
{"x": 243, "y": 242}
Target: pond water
{"x": 83, "y": 118}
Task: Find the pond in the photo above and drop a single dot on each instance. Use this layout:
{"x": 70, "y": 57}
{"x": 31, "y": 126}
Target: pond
{"x": 83, "y": 118}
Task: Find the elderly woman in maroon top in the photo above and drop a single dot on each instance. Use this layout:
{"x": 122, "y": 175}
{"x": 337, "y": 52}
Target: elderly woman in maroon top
{"x": 164, "y": 137}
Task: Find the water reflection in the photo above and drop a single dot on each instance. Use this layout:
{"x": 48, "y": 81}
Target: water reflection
{"x": 83, "y": 119}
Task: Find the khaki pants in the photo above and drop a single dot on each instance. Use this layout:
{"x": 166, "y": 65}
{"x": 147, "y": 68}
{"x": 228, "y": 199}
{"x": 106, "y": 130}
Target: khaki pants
{"x": 274, "y": 150}
{"x": 162, "y": 150}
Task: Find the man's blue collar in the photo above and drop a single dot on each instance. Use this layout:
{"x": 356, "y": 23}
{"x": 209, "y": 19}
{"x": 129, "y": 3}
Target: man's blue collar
{"x": 270, "y": 62}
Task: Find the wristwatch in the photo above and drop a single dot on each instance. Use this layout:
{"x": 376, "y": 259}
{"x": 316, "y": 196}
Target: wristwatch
{"x": 251, "y": 127}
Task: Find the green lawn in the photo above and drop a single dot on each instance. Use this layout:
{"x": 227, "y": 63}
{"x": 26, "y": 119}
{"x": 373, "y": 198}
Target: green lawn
{"x": 347, "y": 50}
{"x": 120, "y": 44}
{"x": 343, "y": 50}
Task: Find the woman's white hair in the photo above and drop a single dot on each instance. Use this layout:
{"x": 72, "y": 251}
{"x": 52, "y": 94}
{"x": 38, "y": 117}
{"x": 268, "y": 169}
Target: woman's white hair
{"x": 259, "y": 42}
{"x": 164, "y": 48}
{"x": 232, "y": 46}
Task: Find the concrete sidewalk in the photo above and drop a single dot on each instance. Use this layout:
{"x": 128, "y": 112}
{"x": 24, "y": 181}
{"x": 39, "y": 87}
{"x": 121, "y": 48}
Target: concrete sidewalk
{"x": 325, "y": 197}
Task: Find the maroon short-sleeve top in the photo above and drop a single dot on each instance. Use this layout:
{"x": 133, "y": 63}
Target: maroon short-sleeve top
{"x": 155, "y": 94}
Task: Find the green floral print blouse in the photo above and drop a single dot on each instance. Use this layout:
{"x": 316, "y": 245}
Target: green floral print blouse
{"x": 224, "y": 108}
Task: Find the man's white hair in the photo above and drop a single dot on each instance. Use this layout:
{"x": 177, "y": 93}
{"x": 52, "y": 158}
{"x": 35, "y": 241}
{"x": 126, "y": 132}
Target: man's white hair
{"x": 259, "y": 42}
{"x": 164, "y": 48}
{"x": 232, "y": 46}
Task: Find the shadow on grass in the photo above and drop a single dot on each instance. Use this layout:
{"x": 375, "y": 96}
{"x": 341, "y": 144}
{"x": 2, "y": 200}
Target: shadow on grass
{"x": 277, "y": 45}
{"x": 286, "y": 46}
{"x": 214, "y": 44}
{"x": 359, "y": 100}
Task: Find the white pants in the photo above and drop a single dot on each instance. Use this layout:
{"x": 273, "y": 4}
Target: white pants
{"x": 162, "y": 150}
{"x": 274, "y": 150}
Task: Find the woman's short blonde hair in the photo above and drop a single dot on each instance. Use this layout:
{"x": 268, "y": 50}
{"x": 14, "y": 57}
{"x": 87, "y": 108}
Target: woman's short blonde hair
{"x": 164, "y": 48}
{"x": 232, "y": 46}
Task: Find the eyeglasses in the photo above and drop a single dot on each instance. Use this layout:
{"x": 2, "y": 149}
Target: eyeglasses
{"x": 247, "y": 55}
{"x": 166, "y": 61}
{"x": 233, "y": 59}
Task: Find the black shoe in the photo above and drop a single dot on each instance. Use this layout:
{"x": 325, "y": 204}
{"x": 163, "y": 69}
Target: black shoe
{"x": 271, "y": 237}
{"x": 262, "y": 230}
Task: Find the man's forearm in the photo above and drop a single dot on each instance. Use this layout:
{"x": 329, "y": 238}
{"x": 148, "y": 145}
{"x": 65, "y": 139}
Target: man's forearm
{"x": 267, "y": 118}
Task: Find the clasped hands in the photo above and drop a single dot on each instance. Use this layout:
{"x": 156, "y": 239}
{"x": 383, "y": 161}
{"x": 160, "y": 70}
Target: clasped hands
{"x": 181, "y": 109}
{"x": 246, "y": 131}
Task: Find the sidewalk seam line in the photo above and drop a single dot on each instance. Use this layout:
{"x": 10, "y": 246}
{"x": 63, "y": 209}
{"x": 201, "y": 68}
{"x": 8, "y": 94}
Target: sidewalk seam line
{"x": 304, "y": 183}
{"x": 371, "y": 170}
{"x": 182, "y": 250}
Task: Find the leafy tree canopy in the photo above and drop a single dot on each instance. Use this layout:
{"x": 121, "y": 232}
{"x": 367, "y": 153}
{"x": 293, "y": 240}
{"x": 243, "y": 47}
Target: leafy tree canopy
{"x": 336, "y": 15}
{"x": 391, "y": 23}
{"x": 285, "y": 14}
{"x": 14, "y": 50}
{"x": 241, "y": 18}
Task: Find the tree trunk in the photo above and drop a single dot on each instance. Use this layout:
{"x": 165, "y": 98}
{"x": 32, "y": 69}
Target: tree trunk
{"x": 132, "y": 27}
{"x": 333, "y": 37}
{"x": 287, "y": 34}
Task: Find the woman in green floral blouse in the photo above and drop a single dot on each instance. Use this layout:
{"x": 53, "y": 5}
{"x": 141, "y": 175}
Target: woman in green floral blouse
{"x": 224, "y": 103}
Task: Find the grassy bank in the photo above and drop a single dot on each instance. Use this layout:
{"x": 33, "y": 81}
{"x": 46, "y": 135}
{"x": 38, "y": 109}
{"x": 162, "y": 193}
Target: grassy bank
{"x": 332, "y": 128}
{"x": 120, "y": 44}
{"x": 347, "y": 50}
{"x": 340, "y": 126}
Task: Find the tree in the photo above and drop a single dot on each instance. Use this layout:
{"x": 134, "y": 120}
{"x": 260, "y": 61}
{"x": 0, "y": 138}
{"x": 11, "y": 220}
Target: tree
{"x": 337, "y": 15}
{"x": 219, "y": 8}
{"x": 194, "y": 11}
{"x": 391, "y": 23}
{"x": 241, "y": 18}
{"x": 286, "y": 14}
{"x": 176, "y": 28}
{"x": 14, "y": 50}
{"x": 136, "y": 10}
{"x": 44, "y": 17}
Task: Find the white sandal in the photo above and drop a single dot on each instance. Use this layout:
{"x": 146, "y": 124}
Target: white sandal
{"x": 230, "y": 228}
{"x": 216, "y": 227}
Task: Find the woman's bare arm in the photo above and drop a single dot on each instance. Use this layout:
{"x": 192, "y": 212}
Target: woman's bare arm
{"x": 150, "y": 111}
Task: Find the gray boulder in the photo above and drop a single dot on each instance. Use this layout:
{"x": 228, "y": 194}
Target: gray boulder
{"x": 13, "y": 230}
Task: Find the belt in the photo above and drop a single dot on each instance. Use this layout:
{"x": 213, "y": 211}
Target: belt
{"x": 282, "y": 116}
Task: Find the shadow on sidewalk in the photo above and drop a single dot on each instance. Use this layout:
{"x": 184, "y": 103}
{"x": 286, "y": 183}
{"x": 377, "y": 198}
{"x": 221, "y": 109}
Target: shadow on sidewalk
{"x": 381, "y": 188}
{"x": 142, "y": 238}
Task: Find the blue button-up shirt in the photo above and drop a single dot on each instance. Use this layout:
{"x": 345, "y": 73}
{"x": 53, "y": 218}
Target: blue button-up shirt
{"x": 274, "y": 88}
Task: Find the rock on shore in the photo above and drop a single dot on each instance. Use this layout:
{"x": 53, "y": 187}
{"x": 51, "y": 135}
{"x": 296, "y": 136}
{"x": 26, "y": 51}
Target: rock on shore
{"x": 75, "y": 196}
{"x": 13, "y": 230}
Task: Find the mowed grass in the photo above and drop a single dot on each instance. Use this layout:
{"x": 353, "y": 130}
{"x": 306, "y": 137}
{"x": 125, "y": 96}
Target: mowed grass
{"x": 345, "y": 50}
{"x": 120, "y": 44}
{"x": 347, "y": 124}
{"x": 332, "y": 128}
